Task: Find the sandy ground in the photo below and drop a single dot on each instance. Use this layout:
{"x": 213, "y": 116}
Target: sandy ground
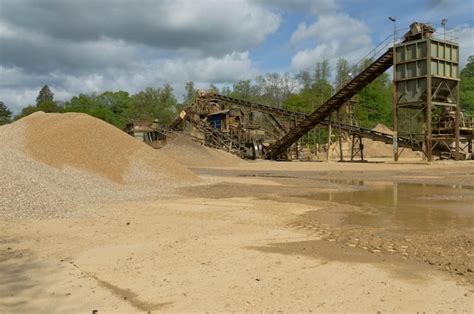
{"x": 241, "y": 241}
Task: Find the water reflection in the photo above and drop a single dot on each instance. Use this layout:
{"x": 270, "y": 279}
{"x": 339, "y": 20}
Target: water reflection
{"x": 415, "y": 206}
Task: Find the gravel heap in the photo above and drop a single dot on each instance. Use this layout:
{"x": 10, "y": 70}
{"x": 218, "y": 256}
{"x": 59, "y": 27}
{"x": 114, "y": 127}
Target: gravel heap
{"x": 191, "y": 154}
{"x": 380, "y": 149}
{"x": 54, "y": 165}
{"x": 373, "y": 149}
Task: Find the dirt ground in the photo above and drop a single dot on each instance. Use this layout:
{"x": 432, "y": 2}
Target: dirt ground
{"x": 258, "y": 236}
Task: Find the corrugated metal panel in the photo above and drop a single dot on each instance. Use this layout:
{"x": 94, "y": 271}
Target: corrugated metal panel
{"x": 411, "y": 65}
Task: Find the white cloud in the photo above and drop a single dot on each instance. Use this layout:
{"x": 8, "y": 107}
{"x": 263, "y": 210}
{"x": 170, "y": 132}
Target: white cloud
{"x": 335, "y": 36}
{"x": 175, "y": 71}
{"x": 92, "y": 46}
{"x": 231, "y": 67}
{"x": 316, "y": 7}
{"x": 210, "y": 26}
{"x": 465, "y": 35}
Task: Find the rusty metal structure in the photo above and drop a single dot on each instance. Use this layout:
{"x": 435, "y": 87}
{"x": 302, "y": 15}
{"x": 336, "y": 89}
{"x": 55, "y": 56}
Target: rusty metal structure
{"x": 207, "y": 104}
{"x": 220, "y": 127}
{"x": 379, "y": 66}
{"x": 146, "y": 131}
{"x": 439, "y": 88}
{"x": 426, "y": 89}
{"x": 426, "y": 108}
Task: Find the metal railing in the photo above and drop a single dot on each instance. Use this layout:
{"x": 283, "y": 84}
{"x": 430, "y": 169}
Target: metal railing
{"x": 372, "y": 55}
{"x": 390, "y": 41}
{"x": 451, "y": 35}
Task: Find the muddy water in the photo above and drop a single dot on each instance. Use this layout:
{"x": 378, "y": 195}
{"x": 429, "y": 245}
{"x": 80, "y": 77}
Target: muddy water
{"x": 370, "y": 216}
{"x": 414, "y": 207}
{"x": 433, "y": 224}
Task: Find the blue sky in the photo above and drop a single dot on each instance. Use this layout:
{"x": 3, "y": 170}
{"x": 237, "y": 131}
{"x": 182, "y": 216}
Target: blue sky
{"x": 90, "y": 46}
{"x": 274, "y": 54}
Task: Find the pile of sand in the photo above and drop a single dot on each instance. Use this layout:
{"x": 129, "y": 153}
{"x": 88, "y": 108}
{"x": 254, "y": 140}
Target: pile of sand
{"x": 192, "y": 154}
{"x": 373, "y": 149}
{"x": 383, "y": 129}
{"x": 53, "y": 164}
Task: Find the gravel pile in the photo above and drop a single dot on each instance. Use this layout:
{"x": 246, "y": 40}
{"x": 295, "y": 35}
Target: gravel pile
{"x": 373, "y": 149}
{"x": 191, "y": 154}
{"x": 379, "y": 149}
{"x": 54, "y": 165}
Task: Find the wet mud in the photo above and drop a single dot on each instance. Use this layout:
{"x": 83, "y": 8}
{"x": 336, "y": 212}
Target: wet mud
{"x": 392, "y": 214}
{"x": 433, "y": 224}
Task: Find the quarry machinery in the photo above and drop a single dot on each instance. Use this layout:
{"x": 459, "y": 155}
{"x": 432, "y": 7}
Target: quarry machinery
{"x": 415, "y": 87}
{"x": 199, "y": 117}
{"x": 209, "y": 101}
{"x": 356, "y": 131}
{"x": 426, "y": 77}
{"x": 146, "y": 131}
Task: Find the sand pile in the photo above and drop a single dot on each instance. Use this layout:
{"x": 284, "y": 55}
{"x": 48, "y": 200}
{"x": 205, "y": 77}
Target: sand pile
{"x": 191, "y": 154}
{"x": 373, "y": 149}
{"x": 383, "y": 129}
{"x": 54, "y": 163}
{"x": 378, "y": 149}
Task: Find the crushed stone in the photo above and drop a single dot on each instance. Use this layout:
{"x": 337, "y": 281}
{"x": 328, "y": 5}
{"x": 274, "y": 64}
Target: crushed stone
{"x": 55, "y": 165}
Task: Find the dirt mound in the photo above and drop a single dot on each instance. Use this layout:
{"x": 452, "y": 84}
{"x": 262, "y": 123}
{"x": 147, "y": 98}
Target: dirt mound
{"x": 54, "y": 163}
{"x": 382, "y": 128}
{"x": 373, "y": 149}
{"x": 80, "y": 141}
{"x": 192, "y": 154}
{"x": 379, "y": 149}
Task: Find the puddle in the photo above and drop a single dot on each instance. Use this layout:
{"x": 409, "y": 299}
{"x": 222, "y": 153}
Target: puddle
{"x": 320, "y": 178}
{"x": 422, "y": 207}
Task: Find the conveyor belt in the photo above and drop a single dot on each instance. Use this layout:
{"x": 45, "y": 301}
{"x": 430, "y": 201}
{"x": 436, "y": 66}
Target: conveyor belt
{"x": 225, "y": 100}
{"x": 363, "y": 132}
{"x": 375, "y": 69}
{"x": 353, "y": 130}
{"x": 222, "y": 140}
{"x": 216, "y": 138}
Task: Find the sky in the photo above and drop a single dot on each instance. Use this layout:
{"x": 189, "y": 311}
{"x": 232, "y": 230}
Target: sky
{"x": 91, "y": 46}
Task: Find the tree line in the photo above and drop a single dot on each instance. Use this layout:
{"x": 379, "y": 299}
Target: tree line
{"x": 302, "y": 92}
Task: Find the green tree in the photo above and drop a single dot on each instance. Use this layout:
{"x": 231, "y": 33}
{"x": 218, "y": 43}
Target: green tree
{"x": 305, "y": 80}
{"x": 154, "y": 103}
{"x": 321, "y": 85}
{"x": 167, "y": 105}
{"x": 305, "y": 101}
{"x": 191, "y": 92}
{"x": 322, "y": 72}
{"x": 315, "y": 89}
{"x": 5, "y": 114}
{"x": 342, "y": 73}
{"x": 468, "y": 70}
{"x": 375, "y": 103}
{"x": 45, "y": 94}
{"x": 466, "y": 87}
{"x": 117, "y": 103}
{"x": 226, "y": 91}
{"x": 49, "y": 106}
{"x": 274, "y": 88}
{"x": 91, "y": 105}
{"x": 245, "y": 90}
{"x": 144, "y": 105}
{"x": 26, "y": 111}
{"x": 44, "y": 102}
{"x": 213, "y": 88}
